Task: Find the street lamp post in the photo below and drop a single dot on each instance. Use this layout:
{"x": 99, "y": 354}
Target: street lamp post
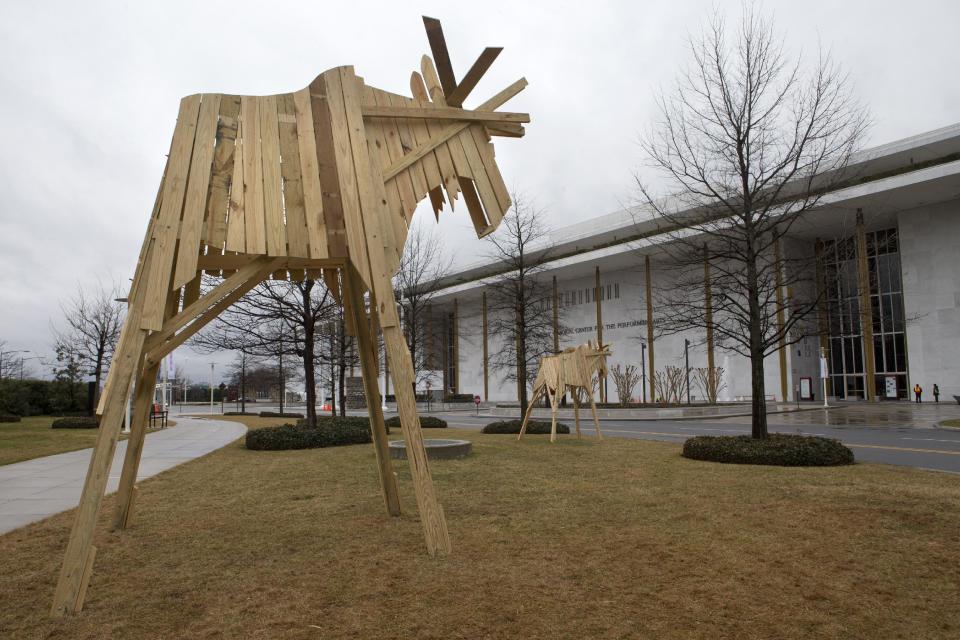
{"x": 686, "y": 359}
{"x": 211, "y": 387}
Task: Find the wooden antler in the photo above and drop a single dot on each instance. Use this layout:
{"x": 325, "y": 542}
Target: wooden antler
{"x": 455, "y": 93}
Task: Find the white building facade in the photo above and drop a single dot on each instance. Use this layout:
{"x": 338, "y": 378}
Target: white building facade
{"x": 899, "y": 220}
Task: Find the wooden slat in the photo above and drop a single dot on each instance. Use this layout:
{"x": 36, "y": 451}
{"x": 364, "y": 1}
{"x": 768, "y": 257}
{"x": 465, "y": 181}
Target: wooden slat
{"x": 168, "y": 222}
{"x": 445, "y": 163}
{"x": 274, "y": 228}
{"x": 490, "y": 204}
{"x": 195, "y": 201}
{"x": 343, "y": 133}
{"x": 408, "y": 195}
{"x": 252, "y": 177}
{"x": 297, "y": 233}
{"x": 377, "y": 143}
{"x": 236, "y": 236}
{"x": 438, "y": 46}
{"x": 327, "y": 167}
{"x": 429, "y": 164}
{"x": 470, "y": 80}
{"x": 218, "y": 202}
{"x": 191, "y": 292}
{"x": 310, "y": 176}
{"x": 445, "y": 113}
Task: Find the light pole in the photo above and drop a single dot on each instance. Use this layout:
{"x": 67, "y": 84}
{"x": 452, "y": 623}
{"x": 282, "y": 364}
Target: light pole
{"x": 824, "y": 373}
{"x": 643, "y": 369}
{"x": 686, "y": 360}
{"x": 211, "y": 387}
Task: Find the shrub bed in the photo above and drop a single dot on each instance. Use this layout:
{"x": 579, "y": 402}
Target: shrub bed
{"x": 277, "y": 414}
{"x": 239, "y": 413}
{"x": 426, "y": 422}
{"x": 6, "y": 418}
{"x": 328, "y": 432}
{"x": 513, "y": 426}
{"x": 76, "y": 422}
{"x": 778, "y": 449}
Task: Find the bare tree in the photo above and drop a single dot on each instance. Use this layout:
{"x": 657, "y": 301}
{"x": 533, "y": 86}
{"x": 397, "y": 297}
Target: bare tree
{"x": 626, "y": 380}
{"x": 748, "y": 141}
{"x": 521, "y": 311}
{"x": 709, "y": 383}
{"x": 423, "y": 265}
{"x": 93, "y": 318}
{"x": 276, "y": 319}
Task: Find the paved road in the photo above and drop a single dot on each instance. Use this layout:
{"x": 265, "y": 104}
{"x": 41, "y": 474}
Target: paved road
{"x": 925, "y": 446}
{"x": 35, "y": 489}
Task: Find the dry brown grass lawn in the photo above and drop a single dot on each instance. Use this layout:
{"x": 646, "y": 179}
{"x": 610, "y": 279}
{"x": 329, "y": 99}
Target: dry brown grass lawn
{"x": 619, "y": 539}
{"x": 33, "y": 438}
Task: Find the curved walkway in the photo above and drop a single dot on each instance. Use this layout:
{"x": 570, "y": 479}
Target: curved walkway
{"x": 36, "y": 489}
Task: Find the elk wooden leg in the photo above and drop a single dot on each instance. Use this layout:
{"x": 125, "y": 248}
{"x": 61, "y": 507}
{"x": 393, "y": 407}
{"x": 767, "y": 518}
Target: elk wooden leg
{"x": 596, "y": 421}
{"x": 431, "y": 513}
{"x": 575, "y": 395}
{"x": 530, "y": 405}
{"x": 554, "y": 401}
{"x": 366, "y": 348}
{"x": 142, "y": 402}
{"x": 78, "y": 561}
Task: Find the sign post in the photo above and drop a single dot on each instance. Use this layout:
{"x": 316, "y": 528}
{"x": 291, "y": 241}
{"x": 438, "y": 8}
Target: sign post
{"x": 476, "y": 401}
{"x": 823, "y": 374}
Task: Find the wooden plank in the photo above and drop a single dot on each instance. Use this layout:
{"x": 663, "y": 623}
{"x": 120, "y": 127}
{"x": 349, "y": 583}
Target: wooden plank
{"x": 168, "y": 223}
{"x": 346, "y": 151}
{"x": 274, "y": 227}
{"x": 444, "y": 162}
{"x": 438, "y": 46}
{"x": 254, "y": 229}
{"x": 198, "y": 186}
{"x": 310, "y": 176}
{"x": 404, "y": 181}
{"x": 431, "y": 169}
{"x": 470, "y": 80}
{"x": 366, "y": 348}
{"x": 445, "y": 113}
{"x": 297, "y": 234}
{"x": 490, "y": 204}
{"x": 460, "y": 164}
{"x": 85, "y": 579}
{"x": 218, "y": 201}
{"x": 488, "y": 157}
{"x": 236, "y": 236}
{"x": 327, "y": 167}
{"x": 191, "y": 292}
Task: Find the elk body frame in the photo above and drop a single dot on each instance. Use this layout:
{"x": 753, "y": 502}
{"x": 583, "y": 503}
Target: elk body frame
{"x": 322, "y": 182}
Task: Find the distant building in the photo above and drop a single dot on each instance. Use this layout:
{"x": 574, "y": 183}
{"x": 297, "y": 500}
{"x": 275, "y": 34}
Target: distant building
{"x": 909, "y": 195}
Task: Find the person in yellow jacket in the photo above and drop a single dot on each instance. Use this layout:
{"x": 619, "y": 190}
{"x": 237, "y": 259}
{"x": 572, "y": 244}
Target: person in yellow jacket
{"x": 917, "y": 391}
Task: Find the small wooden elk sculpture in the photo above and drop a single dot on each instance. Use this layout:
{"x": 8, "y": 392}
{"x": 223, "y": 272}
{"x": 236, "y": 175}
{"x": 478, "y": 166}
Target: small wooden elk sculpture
{"x": 319, "y": 183}
{"x": 575, "y": 369}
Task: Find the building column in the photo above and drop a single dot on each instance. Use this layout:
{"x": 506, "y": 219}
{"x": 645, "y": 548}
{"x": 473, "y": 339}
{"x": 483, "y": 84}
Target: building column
{"x": 823, "y": 321}
{"x": 782, "y": 350}
{"x": 456, "y": 346}
{"x": 866, "y": 311}
{"x": 708, "y": 316}
{"x": 486, "y": 354}
{"x": 651, "y": 370}
{"x": 556, "y": 318}
{"x": 597, "y": 294}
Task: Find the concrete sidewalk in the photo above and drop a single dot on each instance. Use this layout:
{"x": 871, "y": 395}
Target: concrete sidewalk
{"x": 39, "y": 488}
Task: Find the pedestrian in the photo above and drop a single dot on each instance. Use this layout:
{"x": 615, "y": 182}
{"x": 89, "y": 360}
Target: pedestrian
{"x": 936, "y": 393}
{"x": 917, "y": 391}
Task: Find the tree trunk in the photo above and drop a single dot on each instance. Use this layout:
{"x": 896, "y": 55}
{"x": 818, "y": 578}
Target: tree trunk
{"x": 758, "y": 408}
{"x": 522, "y": 361}
{"x": 310, "y": 374}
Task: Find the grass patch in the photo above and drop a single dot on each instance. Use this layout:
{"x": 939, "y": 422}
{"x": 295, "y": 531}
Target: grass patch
{"x": 578, "y": 539}
{"x": 32, "y": 437}
{"x": 951, "y": 423}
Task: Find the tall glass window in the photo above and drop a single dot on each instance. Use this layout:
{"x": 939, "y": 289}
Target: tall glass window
{"x": 887, "y": 315}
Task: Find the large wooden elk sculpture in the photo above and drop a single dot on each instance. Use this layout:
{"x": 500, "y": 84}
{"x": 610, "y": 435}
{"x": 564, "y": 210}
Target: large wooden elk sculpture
{"x": 577, "y": 369}
{"x": 321, "y": 182}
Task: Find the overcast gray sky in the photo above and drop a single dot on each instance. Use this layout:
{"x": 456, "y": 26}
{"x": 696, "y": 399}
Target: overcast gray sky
{"x": 90, "y": 95}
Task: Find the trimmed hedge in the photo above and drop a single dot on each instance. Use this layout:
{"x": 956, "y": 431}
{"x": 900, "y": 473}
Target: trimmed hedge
{"x": 777, "y": 449}
{"x": 328, "y": 432}
{"x": 277, "y": 414}
{"x": 239, "y": 413}
{"x": 6, "y": 418}
{"x": 77, "y": 422}
{"x": 426, "y": 422}
{"x": 513, "y": 426}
